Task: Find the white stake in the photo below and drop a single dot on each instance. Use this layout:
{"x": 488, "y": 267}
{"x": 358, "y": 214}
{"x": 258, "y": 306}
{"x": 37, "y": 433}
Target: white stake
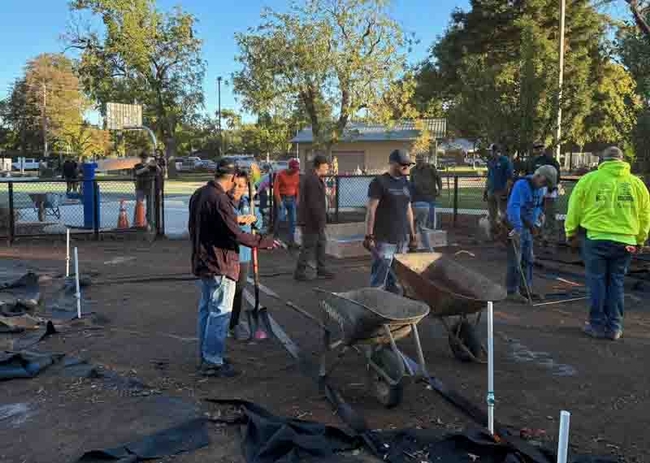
{"x": 563, "y": 439}
{"x": 76, "y": 281}
{"x": 490, "y": 392}
{"x": 67, "y": 252}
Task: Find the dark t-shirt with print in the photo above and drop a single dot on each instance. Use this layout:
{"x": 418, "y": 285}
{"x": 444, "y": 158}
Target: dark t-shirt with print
{"x": 391, "y": 223}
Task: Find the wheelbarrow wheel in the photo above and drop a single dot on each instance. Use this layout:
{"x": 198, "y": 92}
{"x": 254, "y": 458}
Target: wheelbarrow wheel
{"x": 466, "y": 347}
{"x": 388, "y": 395}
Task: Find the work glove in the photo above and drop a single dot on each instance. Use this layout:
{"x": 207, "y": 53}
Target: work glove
{"x": 369, "y": 242}
{"x": 413, "y": 243}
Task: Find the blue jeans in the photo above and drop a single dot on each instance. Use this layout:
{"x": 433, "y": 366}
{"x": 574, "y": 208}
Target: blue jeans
{"x": 380, "y": 271}
{"x": 215, "y": 306}
{"x": 290, "y": 205}
{"x": 513, "y": 277}
{"x": 606, "y": 263}
{"x": 431, "y": 221}
{"x": 422, "y": 211}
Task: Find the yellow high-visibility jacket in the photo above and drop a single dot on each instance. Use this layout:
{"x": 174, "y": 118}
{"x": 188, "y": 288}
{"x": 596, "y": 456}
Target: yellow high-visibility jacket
{"x": 611, "y": 204}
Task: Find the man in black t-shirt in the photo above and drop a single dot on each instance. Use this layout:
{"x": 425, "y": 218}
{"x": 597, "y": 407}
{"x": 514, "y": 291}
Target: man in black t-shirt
{"x": 544, "y": 157}
{"x": 389, "y": 222}
{"x": 71, "y": 175}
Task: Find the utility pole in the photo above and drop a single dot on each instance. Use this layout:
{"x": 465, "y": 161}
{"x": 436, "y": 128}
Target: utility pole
{"x": 219, "y": 115}
{"x": 558, "y": 129}
{"x": 44, "y": 120}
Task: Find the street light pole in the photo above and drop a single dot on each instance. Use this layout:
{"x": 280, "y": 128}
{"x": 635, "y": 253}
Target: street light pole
{"x": 558, "y": 129}
{"x": 219, "y": 115}
{"x": 44, "y": 120}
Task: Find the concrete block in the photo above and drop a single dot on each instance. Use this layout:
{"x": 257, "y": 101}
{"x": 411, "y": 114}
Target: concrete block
{"x": 346, "y": 247}
{"x": 437, "y": 238}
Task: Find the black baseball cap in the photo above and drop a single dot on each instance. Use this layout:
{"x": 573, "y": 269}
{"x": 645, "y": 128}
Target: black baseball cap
{"x": 226, "y": 166}
{"x": 400, "y": 157}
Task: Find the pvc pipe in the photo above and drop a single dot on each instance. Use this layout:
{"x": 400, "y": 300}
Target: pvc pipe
{"x": 67, "y": 252}
{"x": 76, "y": 281}
{"x": 563, "y": 439}
{"x": 490, "y": 392}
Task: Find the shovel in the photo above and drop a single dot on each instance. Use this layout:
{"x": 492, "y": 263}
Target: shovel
{"x": 257, "y": 332}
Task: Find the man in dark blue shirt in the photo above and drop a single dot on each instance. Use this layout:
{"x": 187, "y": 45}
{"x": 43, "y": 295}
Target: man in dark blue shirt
{"x": 525, "y": 217}
{"x": 499, "y": 180}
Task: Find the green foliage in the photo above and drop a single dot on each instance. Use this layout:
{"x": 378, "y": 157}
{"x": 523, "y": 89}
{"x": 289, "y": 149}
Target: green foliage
{"x": 50, "y": 91}
{"x": 329, "y": 59}
{"x": 495, "y": 74}
{"x": 144, "y": 56}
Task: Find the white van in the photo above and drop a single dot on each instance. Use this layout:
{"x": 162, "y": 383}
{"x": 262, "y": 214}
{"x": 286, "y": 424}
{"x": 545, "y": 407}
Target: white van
{"x": 26, "y": 163}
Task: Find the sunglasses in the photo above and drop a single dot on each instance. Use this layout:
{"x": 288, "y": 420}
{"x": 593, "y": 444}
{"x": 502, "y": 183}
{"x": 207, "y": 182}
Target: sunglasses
{"x": 404, "y": 166}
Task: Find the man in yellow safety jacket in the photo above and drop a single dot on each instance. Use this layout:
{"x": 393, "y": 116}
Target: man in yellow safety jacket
{"x": 613, "y": 206}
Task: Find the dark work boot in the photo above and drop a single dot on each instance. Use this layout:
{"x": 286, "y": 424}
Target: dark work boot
{"x": 326, "y": 274}
{"x": 301, "y": 275}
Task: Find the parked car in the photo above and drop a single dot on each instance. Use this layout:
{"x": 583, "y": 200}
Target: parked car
{"x": 475, "y": 161}
{"x": 28, "y": 164}
{"x": 243, "y": 161}
{"x": 280, "y": 165}
{"x": 191, "y": 163}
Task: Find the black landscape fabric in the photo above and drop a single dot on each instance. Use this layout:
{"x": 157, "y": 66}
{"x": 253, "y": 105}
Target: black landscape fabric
{"x": 30, "y": 339}
{"x": 188, "y": 436}
{"x": 269, "y": 438}
{"x": 19, "y": 295}
{"x": 14, "y": 365}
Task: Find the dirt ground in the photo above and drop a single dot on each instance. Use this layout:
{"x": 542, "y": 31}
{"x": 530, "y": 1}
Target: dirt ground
{"x": 146, "y": 330}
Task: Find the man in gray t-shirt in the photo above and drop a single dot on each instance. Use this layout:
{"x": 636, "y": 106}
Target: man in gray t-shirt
{"x": 389, "y": 222}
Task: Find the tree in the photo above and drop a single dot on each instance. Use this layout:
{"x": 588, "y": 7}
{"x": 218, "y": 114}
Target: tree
{"x": 47, "y": 102}
{"x": 21, "y": 121}
{"x": 330, "y": 59}
{"x": 88, "y": 141}
{"x": 146, "y": 56}
{"x": 496, "y": 69}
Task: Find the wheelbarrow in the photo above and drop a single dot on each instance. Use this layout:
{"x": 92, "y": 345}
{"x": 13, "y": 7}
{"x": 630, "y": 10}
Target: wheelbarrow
{"x": 453, "y": 292}
{"x": 370, "y": 321}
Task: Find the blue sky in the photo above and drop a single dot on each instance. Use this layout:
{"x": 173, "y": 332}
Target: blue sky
{"x": 30, "y": 27}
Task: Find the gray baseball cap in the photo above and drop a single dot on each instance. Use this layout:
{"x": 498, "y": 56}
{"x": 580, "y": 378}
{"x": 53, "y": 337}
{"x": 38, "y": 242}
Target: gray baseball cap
{"x": 613, "y": 153}
{"x": 400, "y": 157}
{"x": 550, "y": 174}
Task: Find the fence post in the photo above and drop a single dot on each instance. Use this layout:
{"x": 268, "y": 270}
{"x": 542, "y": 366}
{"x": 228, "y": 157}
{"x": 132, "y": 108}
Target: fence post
{"x": 271, "y": 201}
{"x": 96, "y": 209}
{"x": 161, "y": 207}
{"x": 455, "y": 199}
{"x": 12, "y": 212}
{"x": 337, "y": 186}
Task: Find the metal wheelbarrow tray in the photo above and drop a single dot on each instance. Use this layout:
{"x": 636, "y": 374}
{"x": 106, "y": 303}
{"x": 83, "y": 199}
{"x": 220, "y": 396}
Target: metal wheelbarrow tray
{"x": 370, "y": 321}
{"x": 451, "y": 290}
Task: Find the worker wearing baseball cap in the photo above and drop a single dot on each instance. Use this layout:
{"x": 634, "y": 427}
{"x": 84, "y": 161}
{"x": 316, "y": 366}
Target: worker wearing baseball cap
{"x": 216, "y": 237}
{"x": 499, "y": 180}
{"x": 390, "y": 228}
{"x": 285, "y": 190}
{"x": 525, "y": 216}
{"x": 613, "y": 206}
{"x": 544, "y": 157}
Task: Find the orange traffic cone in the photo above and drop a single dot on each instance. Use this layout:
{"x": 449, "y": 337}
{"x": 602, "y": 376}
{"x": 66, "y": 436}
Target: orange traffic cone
{"x": 122, "y": 219}
{"x": 139, "y": 216}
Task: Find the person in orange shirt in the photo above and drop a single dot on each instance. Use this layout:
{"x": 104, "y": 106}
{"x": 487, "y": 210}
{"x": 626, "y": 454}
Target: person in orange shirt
{"x": 285, "y": 191}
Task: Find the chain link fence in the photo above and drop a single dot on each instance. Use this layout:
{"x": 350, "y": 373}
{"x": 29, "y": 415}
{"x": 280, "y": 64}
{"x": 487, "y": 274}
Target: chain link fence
{"x": 461, "y": 195}
{"x": 50, "y": 207}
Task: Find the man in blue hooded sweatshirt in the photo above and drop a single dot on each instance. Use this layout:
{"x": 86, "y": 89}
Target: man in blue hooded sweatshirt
{"x": 525, "y": 216}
